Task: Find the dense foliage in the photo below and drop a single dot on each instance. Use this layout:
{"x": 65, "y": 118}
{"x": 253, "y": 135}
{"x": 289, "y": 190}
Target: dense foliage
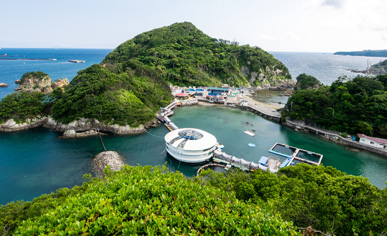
{"x": 305, "y": 81}
{"x": 317, "y": 196}
{"x": 23, "y": 105}
{"x": 366, "y": 53}
{"x": 184, "y": 55}
{"x": 124, "y": 98}
{"x": 139, "y": 201}
{"x": 354, "y": 106}
{"x": 132, "y": 82}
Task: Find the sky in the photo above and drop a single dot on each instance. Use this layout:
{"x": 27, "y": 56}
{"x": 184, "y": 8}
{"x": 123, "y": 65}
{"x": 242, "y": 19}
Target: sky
{"x": 275, "y": 25}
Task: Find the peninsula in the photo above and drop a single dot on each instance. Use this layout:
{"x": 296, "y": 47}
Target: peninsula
{"x": 123, "y": 93}
{"x": 364, "y": 53}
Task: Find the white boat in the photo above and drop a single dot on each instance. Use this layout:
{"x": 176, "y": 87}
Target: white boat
{"x": 251, "y": 145}
{"x": 249, "y": 133}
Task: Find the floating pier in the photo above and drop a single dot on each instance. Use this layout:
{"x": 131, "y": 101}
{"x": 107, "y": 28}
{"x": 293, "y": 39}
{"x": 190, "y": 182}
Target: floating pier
{"x": 163, "y": 116}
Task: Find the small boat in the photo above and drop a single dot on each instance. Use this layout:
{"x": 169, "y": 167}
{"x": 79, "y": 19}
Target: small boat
{"x": 251, "y": 145}
{"x": 249, "y": 133}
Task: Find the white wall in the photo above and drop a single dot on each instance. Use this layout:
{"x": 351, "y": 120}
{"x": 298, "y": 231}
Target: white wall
{"x": 372, "y": 143}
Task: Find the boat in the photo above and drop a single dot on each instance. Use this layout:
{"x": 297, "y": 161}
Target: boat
{"x": 251, "y": 145}
{"x": 249, "y": 133}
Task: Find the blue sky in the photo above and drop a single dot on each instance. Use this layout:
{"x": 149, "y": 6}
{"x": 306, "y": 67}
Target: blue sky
{"x": 277, "y": 25}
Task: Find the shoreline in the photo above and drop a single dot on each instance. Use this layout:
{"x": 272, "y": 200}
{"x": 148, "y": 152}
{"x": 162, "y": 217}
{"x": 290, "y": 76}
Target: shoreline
{"x": 329, "y": 135}
{"x": 90, "y": 127}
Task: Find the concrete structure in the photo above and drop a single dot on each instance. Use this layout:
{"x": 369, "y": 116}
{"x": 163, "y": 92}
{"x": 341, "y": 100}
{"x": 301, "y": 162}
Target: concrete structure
{"x": 190, "y": 145}
{"x": 376, "y": 142}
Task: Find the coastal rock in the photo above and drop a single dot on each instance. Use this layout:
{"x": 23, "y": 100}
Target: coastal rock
{"x": 3, "y": 85}
{"x": 60, "y": 83}
{"x": 72, "y": 134}
{"x": 34, "y": 81}
{"x": 11, "y": 125}
{"x": 107, "y": 158}
{"x": 39, "y": 82}
{"x": 46, "y": 90}
{"x": 83, "y": 125}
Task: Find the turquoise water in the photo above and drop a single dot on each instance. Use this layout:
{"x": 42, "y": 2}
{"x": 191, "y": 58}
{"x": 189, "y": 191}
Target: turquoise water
{"x": 38, "y": 161}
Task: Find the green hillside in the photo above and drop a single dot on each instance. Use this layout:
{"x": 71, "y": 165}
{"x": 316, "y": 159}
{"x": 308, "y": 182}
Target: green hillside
{"x": 183, "y": 55}
{"x": 357, "y": 105}
{"x": 132, "y": 82}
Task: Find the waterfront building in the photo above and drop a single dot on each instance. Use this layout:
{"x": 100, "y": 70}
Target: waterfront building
{"x": 217, "y": 94}
{"x": 181, "y": 95}
{"x": 376, "y": 142}
{"x": 190, "y": 145}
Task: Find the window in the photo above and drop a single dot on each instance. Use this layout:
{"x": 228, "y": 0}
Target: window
{"x": 371, "y": 142}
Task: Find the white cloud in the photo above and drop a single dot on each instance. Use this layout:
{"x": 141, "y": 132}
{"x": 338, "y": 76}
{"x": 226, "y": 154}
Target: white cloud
{"x": 333, "y": 3}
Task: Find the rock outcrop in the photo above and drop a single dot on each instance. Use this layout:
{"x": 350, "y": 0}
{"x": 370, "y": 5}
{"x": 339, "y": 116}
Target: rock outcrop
{"x": 39, "y": 82}
{"x": 108, "y": 158}
{"x": 60, "y": 83}
{"x": 83, "y": 125}
{"x": 3, "y": 85}
{"x": 11, "y": 125}
{"x": 34, "y": 81}
{"x": 76, "y": 129}
{"x": 73, "y": 134}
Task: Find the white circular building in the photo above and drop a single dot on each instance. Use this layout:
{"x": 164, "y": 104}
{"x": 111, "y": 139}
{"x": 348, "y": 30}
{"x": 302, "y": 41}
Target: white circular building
{"x": 190, "y": 145}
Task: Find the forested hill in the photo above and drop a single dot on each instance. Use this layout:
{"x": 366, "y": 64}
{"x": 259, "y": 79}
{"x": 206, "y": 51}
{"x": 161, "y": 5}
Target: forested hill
{"x": 132, "y": 82}
{"x": 365, "y": 53}
{"x": 357, "y": 105}
{"x": 184, "y": 55}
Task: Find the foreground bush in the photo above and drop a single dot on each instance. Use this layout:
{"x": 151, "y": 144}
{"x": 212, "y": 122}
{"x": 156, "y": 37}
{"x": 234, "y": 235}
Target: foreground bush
{"x": 317, "y": 196}
{"x": 146, "y": 200}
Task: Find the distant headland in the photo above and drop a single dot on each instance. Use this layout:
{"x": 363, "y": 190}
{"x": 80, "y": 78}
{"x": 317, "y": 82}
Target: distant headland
{"x": 364, "y": 53}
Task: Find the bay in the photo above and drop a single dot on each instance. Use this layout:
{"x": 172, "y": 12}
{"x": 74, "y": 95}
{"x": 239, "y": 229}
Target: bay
{"x": 37, "y": 161}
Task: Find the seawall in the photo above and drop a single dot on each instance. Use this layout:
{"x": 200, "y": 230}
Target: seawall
{"x": 333, "y": 136}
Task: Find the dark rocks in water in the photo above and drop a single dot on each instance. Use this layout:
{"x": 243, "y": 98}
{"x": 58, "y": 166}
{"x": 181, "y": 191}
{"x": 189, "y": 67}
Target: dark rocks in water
{"x": 3, "y": 85}
{"x": 108, "y": 158}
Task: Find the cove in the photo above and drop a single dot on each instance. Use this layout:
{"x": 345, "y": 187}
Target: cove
{"x": 37, "y": 161}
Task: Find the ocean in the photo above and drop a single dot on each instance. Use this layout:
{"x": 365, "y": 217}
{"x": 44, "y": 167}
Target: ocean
{"x": 38, "y": 161}
{"x": 12, "y": 69}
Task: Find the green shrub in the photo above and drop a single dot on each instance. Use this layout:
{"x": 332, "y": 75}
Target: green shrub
{"x": 153, "y": 201}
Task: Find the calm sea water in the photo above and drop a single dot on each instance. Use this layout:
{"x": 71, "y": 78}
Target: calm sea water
{"x": 37, "y": 161}
{"x": 324, "y": 66}
{"x": 12, "y": 70}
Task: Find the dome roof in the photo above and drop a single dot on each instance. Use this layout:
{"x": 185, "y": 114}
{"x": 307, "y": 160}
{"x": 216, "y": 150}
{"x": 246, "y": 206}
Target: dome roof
{"x": 190, "y": 139}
